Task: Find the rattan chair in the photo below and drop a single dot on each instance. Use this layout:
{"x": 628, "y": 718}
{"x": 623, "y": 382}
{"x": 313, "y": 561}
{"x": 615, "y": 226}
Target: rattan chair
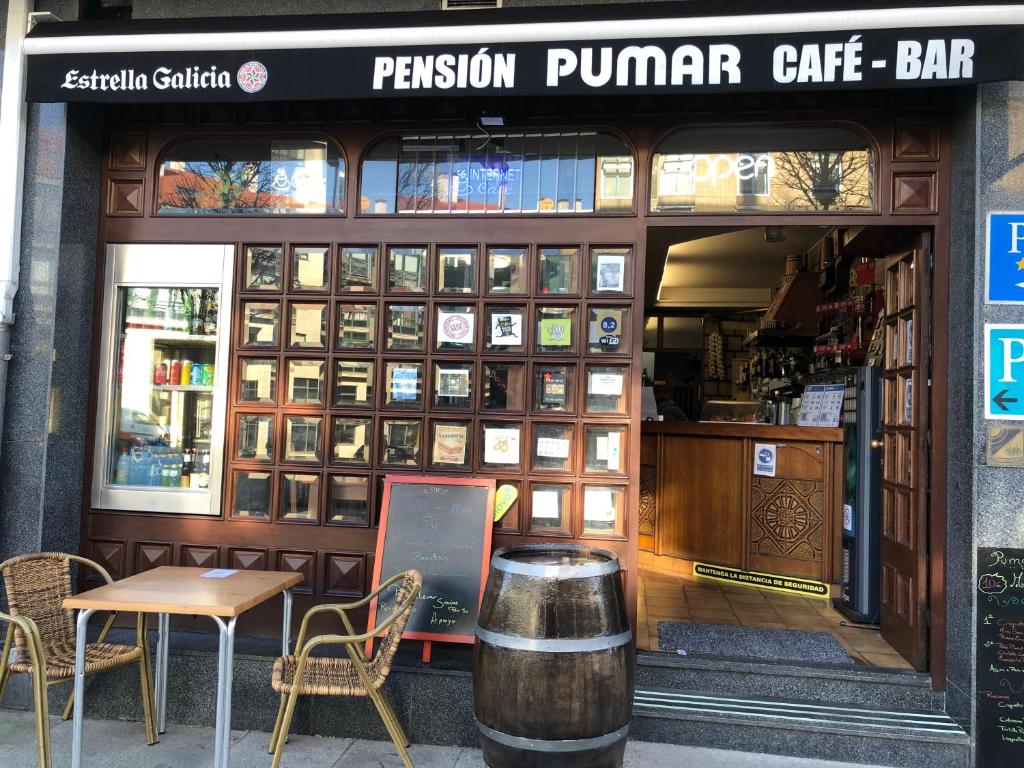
{"x": 355, "y": 676}
{"x": 43, "y": 634}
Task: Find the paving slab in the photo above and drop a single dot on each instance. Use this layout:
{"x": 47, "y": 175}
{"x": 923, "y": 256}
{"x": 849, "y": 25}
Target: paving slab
{"x": 121, "y": 744}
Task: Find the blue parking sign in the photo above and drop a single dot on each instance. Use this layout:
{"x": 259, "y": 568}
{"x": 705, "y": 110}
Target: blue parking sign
{"x": 1004, "y": 257}
{"x": 1004, "y": 371}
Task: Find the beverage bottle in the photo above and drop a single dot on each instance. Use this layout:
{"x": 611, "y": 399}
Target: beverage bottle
{"x": 175, "y": 374}
{"x": 204, "y": 470}
{"x": 185, "y": 480}
{"x": 121, "y": 472}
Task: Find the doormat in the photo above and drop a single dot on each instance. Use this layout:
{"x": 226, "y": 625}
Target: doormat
{"x": 761, "y": 643}
{"x": 789, "y": 584}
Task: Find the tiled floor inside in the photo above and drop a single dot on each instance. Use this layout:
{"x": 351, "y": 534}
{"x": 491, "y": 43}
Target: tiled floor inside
{"x": 671, "y": 595}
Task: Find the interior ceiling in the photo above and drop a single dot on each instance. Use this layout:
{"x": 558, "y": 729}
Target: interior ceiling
{"x": 720, "y": 267}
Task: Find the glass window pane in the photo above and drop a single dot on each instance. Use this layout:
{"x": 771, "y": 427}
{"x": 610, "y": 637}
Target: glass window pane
{"x": 555, "y": 329}
{"x": 503, "y": 387}
{"x": 550, "y": 507}
{"x": 262, "y": 268}
{"x": 261, "y": 323}
{"x": 403, "y": 384}
{"x": 506, "y": 270}
{"x": 502, "y": 445}
{"x": 353, "y": 383}
{"x": 406, "y": 327}
{"x": 352, "y": 438}
{"x": 255, "y": 437}
{"x": 603, "y": 510}
{"x": 453, "y": 385}
{"x": 557, "y": 271}
{"x": 310, "y": 268}
{"x": 609, "y": 330}
{"x": 552, "y": 447}
{"x": 300, "y": 498}
{"x": 554, "y": 388}
{"x": 704, "y": 170}
{"x": 400, "y": 443}
{"x": 252, "y": 495}
{"x": 307, "y": 326}
{"x": 607, "y": 389}
{"x": 306, "y": 384}
{"x": 303, "y": 438}
{"x": 451, "y": 444}
{"x": 604, "y": 449}
{"x": 356, "y": 326}
{"x": 249, "y": 175}
{"x": 456, "y": 269}
{"x": 505, "y": 329}
{"x": 258, "y": 380}
{"x": 162, "y": 408}
{"x": 357, "y": 270}
{"x": 455, "y": 330}
{"x": 407, "y": 269}
{"x": 348, "y": 502}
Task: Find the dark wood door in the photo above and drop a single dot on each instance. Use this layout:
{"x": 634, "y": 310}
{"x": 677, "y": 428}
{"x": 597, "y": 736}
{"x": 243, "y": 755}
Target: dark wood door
{"x": 905, "y": 417}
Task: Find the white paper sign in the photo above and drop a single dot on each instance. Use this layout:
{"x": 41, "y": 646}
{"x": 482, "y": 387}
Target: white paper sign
{"x": 545, "y": 505}
{"x": 764, "y": 459}
{"x": 455, "y": 327}
{"x": 598, "y": 505}
{"x": 553, "y": 447}
{"x": 611, "y": 272}
{"x": 501, "y": 446}
{"x": 506, "y": 329}
{"x": 606, "y": 449}
{"x": 218, "y": 573}
{"x": 606, "y": 383}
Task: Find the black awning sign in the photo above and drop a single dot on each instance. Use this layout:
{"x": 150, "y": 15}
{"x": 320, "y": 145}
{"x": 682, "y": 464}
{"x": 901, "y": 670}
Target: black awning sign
{"x": 883, "y": 58}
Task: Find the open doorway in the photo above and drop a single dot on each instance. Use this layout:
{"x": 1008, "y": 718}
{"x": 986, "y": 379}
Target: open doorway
{"x": 783, "y": 457}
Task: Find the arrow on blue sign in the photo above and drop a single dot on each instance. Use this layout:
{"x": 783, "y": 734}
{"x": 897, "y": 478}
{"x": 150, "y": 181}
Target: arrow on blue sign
{"x": 1004, "y": 371}
{"x": 1005, "y": 258}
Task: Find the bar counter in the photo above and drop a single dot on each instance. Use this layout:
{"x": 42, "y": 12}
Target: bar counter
{"x": 710, "y": 506}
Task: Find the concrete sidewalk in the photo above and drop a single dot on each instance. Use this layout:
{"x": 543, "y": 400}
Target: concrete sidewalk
{"x": 115, "y": 744}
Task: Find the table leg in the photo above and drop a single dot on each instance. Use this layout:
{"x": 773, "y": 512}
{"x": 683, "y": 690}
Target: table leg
{"x": 162, "y": 656}
{"x": 286, "y": 628}
{"x": 225, "y": 662}
{"x": 80, "y": 643}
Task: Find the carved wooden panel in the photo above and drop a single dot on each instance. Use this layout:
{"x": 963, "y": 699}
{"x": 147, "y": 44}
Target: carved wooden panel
{"x": 128, "y": 152}
{"x": 915, "y": 141}
{"x": 110, "y": 555}
{"x": 914, "y": 193}
{"x": 199, "y": 556}
{"x": 786, "y": 518}
{"x": 299, "y": 562}
{"x": 648, "y": 499}
{"x": 345, "y": 574}
{"x": 151, "y": 554}
{"x": 247, "y": 559}
{"x": 124, "y": 197}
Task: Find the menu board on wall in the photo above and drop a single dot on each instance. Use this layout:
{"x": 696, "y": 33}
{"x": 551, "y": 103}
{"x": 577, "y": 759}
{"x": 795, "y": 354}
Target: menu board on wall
{"x": 441, "y": 527}
{"x": 1000, "y": 684}
{"x": 821, "y": 405}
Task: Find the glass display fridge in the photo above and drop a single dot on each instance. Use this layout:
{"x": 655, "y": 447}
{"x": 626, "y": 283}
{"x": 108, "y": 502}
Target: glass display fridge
{"x": 163, "y": 378}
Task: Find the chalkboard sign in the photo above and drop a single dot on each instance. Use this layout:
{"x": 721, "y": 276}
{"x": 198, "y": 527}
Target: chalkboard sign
{"x": 1000, "y": 735}
{"x": 441, "y": 527}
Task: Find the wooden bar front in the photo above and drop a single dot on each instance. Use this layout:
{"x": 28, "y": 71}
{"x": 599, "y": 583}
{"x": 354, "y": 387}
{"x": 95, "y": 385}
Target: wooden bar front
{"x": 710, "y": 506}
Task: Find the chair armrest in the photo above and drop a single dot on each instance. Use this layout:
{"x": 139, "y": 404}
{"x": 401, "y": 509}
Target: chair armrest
{"x": 94, "y": 565}
{"x": 34, "y": 642}
{"x": 360, "y": 603}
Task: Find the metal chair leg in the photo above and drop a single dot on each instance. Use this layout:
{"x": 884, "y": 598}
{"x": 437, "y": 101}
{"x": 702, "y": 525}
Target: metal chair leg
{"x": 70, "y": 706}
{"x": 277, "y": 724}
{"x": 282, "y": 735}
{"x": 394, "y": 717}
{"x": 5, "y": 672}
{"x": 395, "y": 731}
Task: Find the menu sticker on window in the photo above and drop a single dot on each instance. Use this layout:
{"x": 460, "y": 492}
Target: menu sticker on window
{"x": 611, "y": 272}
{"x": 506, "y": 329}
{"x": 764, "y": 459}
{"x": 555, "y": 332}
{"x": 450, "y": 444}
{"x": 501, "y": 446}
{"x": 546, "y": 505}
{"x": 552, "y": 447}
{"x": 553, "y": 388}
{"x": 606, "y": 384}
{"x": 405, "y": 383}
{"x": 455, "y": 327}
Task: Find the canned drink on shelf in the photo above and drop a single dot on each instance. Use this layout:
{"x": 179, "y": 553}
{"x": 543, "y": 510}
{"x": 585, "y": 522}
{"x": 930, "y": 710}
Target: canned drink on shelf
{"x": 186, "y": 371}
{"x": 207, "y": 374}
{"x": 175, "y": 373}
{"x": 195, "y": 376}
{"x": 160, "y": 374}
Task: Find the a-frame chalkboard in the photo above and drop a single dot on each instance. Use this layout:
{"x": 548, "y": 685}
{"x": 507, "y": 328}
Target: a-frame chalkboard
{"x": 440, "y": 526}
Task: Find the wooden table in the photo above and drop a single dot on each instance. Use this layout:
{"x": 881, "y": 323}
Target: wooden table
{"x": 223, "y": 595}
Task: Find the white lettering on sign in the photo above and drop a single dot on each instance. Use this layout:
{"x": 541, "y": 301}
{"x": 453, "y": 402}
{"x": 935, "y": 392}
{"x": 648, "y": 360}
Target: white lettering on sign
{"x": 162, "y": 78}
{"x": 646, "y": 65}
{"x": 1016, "y": 236}
{"x": 938, "y": 60}
{"x": 817, "y": 63}
{"x": 444, "y": 71}
{"x": 1009, "y": 359}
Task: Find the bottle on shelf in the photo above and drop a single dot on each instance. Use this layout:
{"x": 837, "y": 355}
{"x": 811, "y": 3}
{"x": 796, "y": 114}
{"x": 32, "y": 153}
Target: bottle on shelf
{"x": 121, "y": 470}
{"x": 185, "y": 479}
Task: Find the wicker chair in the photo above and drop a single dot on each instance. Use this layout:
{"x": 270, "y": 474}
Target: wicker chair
{"x": 43, "y": 634}
{"x": 355, "y": 676}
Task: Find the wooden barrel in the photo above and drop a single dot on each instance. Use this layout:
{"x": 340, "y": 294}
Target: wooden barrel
{"x": 554, "y": 659}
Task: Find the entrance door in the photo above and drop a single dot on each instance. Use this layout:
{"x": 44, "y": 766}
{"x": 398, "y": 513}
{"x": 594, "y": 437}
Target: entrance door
{"x": 904, "y": 553}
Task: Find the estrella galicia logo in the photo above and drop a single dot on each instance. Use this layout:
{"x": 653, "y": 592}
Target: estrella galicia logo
{"x": 608, "y": 324}
{"x": 252, "y": 77}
